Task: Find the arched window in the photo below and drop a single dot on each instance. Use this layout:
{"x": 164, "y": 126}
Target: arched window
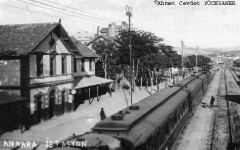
{"x": 52, "y": 98}
{"x": 39, "y": 107}
{"x": 64, "y": 97}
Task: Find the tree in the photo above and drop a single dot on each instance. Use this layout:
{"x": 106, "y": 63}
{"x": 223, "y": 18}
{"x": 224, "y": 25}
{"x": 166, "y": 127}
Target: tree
{"x": 190, "y": 62}
{"x": 202, "y": 61}
{"x": 143, "y": 44}
{"x": 236, "y": 63}
{"x": 171, "y": 58}
{"x": 106, "y": 50}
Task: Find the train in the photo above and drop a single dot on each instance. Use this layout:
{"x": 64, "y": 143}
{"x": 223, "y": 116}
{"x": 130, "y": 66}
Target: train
{"x": 153, "y": 123}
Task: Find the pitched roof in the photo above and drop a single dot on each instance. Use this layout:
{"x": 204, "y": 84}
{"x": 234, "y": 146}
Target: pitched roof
{"x": 17, "y": 40}
{"x": 84, "y": 50}
{"x": 98, "y": 37}
{"x": 86, "y": 81}
{"x": 22, "y": 39}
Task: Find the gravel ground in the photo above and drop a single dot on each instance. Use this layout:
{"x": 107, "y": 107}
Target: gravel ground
{"x": 198, "y": 132}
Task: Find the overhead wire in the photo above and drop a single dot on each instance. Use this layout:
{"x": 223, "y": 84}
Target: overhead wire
{"x": 59, "y": 10}
{"x": 31, "y": 11}
{"x": 89, "y": 14}
{"x": 65, "y": 10}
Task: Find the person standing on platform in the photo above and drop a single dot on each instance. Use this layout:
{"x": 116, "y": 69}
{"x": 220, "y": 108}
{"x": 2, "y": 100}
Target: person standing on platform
{"x": 102, "y": 114}
{"x": 212, "y": 101}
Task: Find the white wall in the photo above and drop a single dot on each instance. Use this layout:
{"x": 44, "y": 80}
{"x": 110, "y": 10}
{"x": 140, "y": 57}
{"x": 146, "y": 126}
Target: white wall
{"x": 86, "y": 64}
{"x": 44, "y": 90}
{"x": 44, "y": 47}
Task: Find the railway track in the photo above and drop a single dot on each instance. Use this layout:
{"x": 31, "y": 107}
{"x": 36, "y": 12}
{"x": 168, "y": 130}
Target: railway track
{"x": 225, "y": 134}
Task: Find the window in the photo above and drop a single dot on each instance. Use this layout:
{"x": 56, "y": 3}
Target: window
{"x": 167, "y": 129}
{"x": 52, "y": 65}
{"x": 63, "y": 101}
{"x": 75, "y": 65}
{"x": 51, "y": 42}
{"x": 90, "y": 63}
{"x": 64, "y": 64}
{"x": 175, "y": 119}
{"x": 172, "y": 121}
{"x": 82, "y": 65}
{"x": 52, "y": 99}
{"x": 39, "y": 65}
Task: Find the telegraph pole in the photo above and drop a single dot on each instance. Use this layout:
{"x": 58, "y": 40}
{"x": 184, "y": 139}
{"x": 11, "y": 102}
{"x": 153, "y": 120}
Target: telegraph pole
{"x": 182, "y": 57}
{"x": 129, "y": 14}
{"x": 196, "y": 57}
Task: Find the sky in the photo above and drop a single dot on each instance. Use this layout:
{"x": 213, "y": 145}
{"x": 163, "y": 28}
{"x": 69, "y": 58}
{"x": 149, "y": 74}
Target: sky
{"x": 206, "y": 26}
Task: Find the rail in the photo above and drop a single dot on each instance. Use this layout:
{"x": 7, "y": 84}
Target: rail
{"x": 228, "y": 111}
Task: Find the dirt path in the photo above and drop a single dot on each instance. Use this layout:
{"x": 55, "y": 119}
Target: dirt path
{"x": 198, "y": 133}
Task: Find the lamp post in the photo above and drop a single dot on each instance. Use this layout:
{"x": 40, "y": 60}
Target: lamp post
{"x": 196, "y": 57}
{"x": 129, "y": 14}
{"x": 182, "y": 57}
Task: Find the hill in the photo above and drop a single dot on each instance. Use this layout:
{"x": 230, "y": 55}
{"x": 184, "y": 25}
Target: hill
{"x": 192, "y": 51}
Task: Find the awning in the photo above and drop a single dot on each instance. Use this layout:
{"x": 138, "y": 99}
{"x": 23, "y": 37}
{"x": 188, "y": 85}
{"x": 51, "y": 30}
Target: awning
{"x": 87, "y": 81}
{"x": 10, "y": 98}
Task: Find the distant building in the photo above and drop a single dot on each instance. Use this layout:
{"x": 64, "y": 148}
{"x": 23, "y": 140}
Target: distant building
{"x": 84, "y": 37}
{"x": 113, "y": 30}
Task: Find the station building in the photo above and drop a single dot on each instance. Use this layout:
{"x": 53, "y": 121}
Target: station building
{"x": 44, "y": 70}
{"x": 36, "y": 63}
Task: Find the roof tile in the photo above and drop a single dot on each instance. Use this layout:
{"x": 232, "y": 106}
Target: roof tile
{"x": 21, "y": 39}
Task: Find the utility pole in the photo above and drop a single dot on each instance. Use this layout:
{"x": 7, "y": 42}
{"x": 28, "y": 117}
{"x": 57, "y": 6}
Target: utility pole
{"x": 129, "y": 14}
{"x": 182, "y": 57}
{"x": 196, "y": 57}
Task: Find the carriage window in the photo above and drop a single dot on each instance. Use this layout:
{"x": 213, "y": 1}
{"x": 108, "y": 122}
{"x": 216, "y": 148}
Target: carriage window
{"x": 154, "y": 141}
{"x": 172, "y": 121}
{"x": 175, "y": 119}
{"x": 186, "y": 104}
{"x": 183, "y": 107}
{"x": 167, "y": 128}
{"x": 179, "y": 112}
{"x": 160, "y": 136}
{"x": 150, "y": 144}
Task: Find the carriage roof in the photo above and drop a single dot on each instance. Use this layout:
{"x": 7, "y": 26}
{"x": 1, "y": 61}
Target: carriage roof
{"x": 185, "y": 81}
{"x": 203, "y": 76}
{"x": 132, "y": 117}
{"x": 138, "y": 134}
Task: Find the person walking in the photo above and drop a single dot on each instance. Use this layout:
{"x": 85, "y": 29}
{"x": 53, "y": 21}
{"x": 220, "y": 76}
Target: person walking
{"x": 102, "y": 114}
{"x": 212, "y": 101}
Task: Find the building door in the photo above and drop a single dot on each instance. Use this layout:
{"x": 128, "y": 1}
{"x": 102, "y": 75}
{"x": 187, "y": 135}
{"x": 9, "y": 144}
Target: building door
{"x": 39, "y": 108}
{"x": 63, "y": 101}
{"x": 52, "y": 99}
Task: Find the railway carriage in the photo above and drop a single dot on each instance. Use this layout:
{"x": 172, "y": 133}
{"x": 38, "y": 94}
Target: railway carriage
{"x": 153, "y": 123}
{"x": 205, "y": 81}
